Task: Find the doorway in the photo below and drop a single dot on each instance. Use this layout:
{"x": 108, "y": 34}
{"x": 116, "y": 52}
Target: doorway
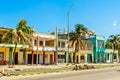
{"x": 51, "y": 58}
{"x": 29, "y": 59}
{"x": 16, "y": 58}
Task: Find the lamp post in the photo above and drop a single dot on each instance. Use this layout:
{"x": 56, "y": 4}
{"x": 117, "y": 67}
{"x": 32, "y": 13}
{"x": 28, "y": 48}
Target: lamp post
{"x": 68, "y": 15}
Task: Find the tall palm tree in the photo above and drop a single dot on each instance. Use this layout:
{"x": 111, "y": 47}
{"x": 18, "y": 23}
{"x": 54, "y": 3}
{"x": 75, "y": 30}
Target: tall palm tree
{"x": 25, "y": 34}
{"x": 9, "y": 38}
{"x": 113, "y": 43}
{"x": 77, "y": 37}
{"x": 21, "y": 35}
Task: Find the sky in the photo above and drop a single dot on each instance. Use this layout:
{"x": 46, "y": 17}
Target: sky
{"x": 100, "y": 16}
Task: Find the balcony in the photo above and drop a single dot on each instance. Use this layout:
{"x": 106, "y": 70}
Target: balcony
{"x": 13, "y": 45}
{"x": 44, "y": 48}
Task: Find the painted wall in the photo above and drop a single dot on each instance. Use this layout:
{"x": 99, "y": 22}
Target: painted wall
{"x": 99, "y": 52}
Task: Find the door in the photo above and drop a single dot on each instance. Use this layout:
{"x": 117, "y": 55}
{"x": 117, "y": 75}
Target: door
{"x": 40, "y": 59}
{"x": 51, "y": 58}
{"x": 89, "y": 58}
{"x": 29, "y": 59}
{"x": 16, "y": 58}
{"x": 35, "y": 58}
{"x": 100, "y": 57}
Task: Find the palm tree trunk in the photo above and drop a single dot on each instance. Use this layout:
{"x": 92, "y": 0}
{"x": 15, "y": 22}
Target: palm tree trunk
{"x": 14, "y": 53}
{"x": 113, "y": 53}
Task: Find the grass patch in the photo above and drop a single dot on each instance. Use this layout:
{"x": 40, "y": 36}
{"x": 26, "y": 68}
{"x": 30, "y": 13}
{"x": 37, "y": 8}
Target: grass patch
{"x": 39, "y": 72}
{"x": 106, "y": 66}
{"x": 66, "y": 69}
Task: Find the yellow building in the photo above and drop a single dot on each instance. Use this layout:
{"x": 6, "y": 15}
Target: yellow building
{"x": 5, "y": 58}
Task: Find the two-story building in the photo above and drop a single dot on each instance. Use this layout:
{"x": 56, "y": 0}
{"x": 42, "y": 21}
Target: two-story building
{"x": 84, "y": 55}
{"x": 7, "y": 49}
{"x": 43, "y": 50}
{"x": 99, "y": 48}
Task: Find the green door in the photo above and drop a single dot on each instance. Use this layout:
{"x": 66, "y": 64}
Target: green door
{"x": 89, "y": 58}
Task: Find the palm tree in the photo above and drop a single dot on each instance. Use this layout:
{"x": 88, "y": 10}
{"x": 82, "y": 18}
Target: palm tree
{"x": 9, "y": 38}
{"x": 77, "y": 37}
{"x": 113, "y": 43}
{"x": 21, "y": 35}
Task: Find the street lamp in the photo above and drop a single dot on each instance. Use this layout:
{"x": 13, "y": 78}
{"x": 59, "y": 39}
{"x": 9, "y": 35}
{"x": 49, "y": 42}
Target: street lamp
{"x": 68, "y": 14}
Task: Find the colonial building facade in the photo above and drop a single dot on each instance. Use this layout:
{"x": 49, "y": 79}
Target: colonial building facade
{"x": 53, "y": 49}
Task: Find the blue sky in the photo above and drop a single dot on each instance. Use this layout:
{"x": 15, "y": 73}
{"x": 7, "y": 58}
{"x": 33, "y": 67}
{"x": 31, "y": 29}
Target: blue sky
{"x": 101, "y": 16}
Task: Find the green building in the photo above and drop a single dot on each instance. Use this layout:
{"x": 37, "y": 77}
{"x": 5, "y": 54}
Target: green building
{"x": 99, "y": 48}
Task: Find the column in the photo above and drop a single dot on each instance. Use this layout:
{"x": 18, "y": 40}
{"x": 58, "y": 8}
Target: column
{"x": 85, "y": 58}
{"x": 10, "y": 55}
{"x": 92, "y": 58}
{"x": 67, "y": 57}
{"x": 78, "y": 57}
{"x": 117, "y": 57}
{"x": 43, "y": 57}
{"x": 110, "y": 57}
{"x": 32, "y": 57}
{"x": 24, "y": 56}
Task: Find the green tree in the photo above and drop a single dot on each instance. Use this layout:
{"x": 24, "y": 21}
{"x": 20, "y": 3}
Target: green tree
{"x": 21, "y": 35}
{"x": 113, "y": 43}
{"x": 77, "y": 37}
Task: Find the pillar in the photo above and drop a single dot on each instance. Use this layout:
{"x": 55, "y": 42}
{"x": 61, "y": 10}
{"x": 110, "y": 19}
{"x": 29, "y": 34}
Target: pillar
{"x": 117, "y": 57}
{"x": 92, "y": 58}
{"x": 10, "y": 55}
{"x": 67, "y": 57}
{"x": 85, "y": 58}
{"x": 78, "y": 57}
{"x": 43, "y": 57}
{"x": 32, "y": 57}
{"x": 24, "y": 56}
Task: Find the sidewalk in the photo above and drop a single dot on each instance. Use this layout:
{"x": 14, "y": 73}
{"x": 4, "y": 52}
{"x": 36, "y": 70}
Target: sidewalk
{"x": 58, "y": 66}
{"x": 22, "y": 67}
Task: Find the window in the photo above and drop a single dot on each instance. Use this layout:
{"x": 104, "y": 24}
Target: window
{"x": 63, "y": 44}
{"x": 21, "y": 50}
{"x": 0, "y": 38}
{"x": 82, "y": 57}
{"x": 41, "y": 43}
{"x": 35, "y": 42}
{"x": 46, "y": 43}
{"x": 60, "y": 56}
{"x": 1, "y": 56}
{"x": 100, "y": 44}
{"x": 115, "y": 57}
{"x": 108, "y": 57}
{"x": 58, "y": 44}
{"x": 46, "y": 56}
{"x": 89, "y": 46}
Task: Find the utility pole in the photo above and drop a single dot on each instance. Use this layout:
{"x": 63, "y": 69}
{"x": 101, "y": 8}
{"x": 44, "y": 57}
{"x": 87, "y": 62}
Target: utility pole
{"x": 37, "y": 50}
{"x": 68, "y": 15}
{"x": 56, "y": 46}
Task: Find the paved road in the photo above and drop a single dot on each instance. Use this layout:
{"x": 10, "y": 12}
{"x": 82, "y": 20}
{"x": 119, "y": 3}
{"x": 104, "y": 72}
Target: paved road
{"x": 103, "y": 74}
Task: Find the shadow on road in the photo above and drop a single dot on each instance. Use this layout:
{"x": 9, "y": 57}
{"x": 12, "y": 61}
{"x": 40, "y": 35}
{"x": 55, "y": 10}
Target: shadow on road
{"x": 118, "y": 70}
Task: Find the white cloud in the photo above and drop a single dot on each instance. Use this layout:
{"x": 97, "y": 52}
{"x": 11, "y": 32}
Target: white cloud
{"x": 115, "y": 23}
